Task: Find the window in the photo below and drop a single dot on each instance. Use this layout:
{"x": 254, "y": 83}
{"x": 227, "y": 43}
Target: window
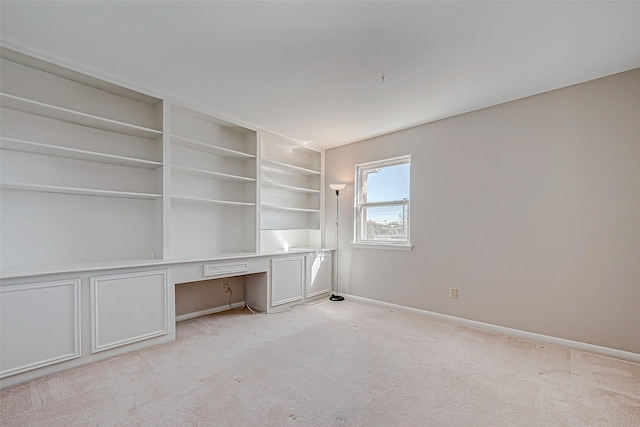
{"x": 382, "y": 203}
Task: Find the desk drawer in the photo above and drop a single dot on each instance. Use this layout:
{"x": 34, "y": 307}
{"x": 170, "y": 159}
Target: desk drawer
{"x": 226, "y": 269}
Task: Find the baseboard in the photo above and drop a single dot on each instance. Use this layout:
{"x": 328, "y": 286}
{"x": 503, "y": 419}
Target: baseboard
{"x": 605, "y": 351}
{"x": 209, "y": 311}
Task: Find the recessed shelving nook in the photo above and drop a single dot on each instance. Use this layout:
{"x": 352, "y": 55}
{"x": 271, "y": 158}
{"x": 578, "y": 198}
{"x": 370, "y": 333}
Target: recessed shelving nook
{"x": 213, "y": 186}
{"x": 291, "y": 195}
{"x": 81, "y": 163}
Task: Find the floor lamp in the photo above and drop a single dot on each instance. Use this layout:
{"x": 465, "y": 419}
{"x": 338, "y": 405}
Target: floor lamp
{"x": 336, "y": 296}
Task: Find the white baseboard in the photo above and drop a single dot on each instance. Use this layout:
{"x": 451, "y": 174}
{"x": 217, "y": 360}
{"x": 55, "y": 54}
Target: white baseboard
{"x": 605, "y": 351}
{"x": 209, "y": 311}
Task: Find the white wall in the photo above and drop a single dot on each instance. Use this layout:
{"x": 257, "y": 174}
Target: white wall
{"x": 530, "y": 208}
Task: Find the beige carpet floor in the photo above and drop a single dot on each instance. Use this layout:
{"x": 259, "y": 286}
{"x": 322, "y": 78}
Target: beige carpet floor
{"x": 335, "y": 364}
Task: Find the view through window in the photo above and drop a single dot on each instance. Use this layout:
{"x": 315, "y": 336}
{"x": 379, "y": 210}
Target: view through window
{"x": 382, "y": 203}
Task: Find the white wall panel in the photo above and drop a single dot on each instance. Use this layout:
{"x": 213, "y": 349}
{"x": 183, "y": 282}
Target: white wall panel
{"x": 39, "y": 325}
{"x": 127, "y": 308}
{"x": 287, "y": 277}
{"x": 319, "y": 275}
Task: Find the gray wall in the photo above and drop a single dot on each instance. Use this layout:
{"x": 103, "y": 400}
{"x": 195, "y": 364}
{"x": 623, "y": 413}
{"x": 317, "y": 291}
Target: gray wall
{"x": 531, "y": 208}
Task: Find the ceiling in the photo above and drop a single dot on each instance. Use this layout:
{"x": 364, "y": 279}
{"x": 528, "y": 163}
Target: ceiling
{"x": 312, "y": 71}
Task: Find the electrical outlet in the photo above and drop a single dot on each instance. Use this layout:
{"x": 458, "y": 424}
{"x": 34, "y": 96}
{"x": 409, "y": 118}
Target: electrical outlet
{"x": 454, "y": 293}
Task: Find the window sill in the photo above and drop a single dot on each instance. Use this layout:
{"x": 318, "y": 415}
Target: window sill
{"x": 389, "y": 246}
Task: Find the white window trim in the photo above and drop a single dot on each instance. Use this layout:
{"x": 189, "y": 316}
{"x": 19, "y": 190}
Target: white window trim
{"x": 375, "y": 244}
{"x": 380, "y": 245}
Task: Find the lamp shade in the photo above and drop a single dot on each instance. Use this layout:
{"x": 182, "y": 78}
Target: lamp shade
{"x": 337, "y": 187}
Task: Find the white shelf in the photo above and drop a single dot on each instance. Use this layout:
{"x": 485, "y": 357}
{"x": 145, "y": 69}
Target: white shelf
{"x": 74, "y": 153}
{"x": 290, "y": 229}
{"x": 289, "y": 187}
{"x": 290, "y": 209}
{"x": 77, "y": 117}
{"x": 78, "y": 191}
{"x": 208, "y": 148}
{"x": 211, "y": 201}
{"x": 287, "y": 167}
{"x": 210, "y": 174}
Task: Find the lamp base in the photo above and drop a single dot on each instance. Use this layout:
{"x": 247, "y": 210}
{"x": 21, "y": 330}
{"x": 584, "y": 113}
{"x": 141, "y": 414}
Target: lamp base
{"x": 335, "y": 297}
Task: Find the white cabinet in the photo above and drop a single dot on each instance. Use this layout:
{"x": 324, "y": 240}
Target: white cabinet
{"x": 55, "y": 324}
{"x": 287, "y": 278}
{"x": 213, "y": 186}
{"x": 291, "y": 196}
{"x": 318, "y": 274}
{"x": 295, "y": 279}
{"x": 39, "y": 325}
{"x": 126, "y": 308}
{"x": 81, "y": 168}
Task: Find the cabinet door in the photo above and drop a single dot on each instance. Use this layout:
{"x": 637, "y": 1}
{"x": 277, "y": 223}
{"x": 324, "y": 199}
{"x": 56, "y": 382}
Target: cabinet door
{"x": 39, "y": 325}
{"x": 287, "y": 277}
{"x": 127, "y": 308}
{"x": 318, "y": 274}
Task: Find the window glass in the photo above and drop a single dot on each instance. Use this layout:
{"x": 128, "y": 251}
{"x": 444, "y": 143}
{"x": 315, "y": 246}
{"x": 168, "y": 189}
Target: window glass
{"x": 382, "y": 202}
{"x": 387, "y": 183}
{"x": 385, "y": 223}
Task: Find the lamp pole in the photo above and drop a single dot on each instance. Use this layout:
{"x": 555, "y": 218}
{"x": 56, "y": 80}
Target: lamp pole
{"x": 337, "y": 188}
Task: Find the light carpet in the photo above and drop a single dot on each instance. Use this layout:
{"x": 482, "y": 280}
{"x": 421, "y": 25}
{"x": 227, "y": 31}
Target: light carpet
{"x": 335, "y": 364}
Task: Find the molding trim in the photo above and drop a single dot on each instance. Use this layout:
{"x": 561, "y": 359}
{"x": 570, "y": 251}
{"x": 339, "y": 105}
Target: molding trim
{"x": 325, "y": 258}
{"x": 209, "y": 311}
{"x": 76, "y": 332}
{"x": 286, "y": 301}
{"x": 576, "y": 345}
{"x": 298, "y": 296}
{"x": 383, "y": 246}
{"x": 317, "y": 293}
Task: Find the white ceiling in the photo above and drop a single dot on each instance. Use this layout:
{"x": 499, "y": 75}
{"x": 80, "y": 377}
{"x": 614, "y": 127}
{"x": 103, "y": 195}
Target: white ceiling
{"x": 312, "y": 71}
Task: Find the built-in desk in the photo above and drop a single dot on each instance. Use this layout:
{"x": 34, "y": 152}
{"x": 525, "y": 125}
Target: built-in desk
{"x": 103, "y": 310}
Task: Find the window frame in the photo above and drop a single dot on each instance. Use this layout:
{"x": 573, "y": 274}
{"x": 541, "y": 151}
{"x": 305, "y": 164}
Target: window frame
{"x": 359, "y": 231}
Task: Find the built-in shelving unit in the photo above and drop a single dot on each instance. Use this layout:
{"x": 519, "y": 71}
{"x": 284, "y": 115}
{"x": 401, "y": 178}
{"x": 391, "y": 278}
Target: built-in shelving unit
{"x": 81, "y": 168}
{"x": 123, "y": 195}
{"x": 290, "y": 195}
{"x": 213, "y": 186}
{"x": 92, "y": 173}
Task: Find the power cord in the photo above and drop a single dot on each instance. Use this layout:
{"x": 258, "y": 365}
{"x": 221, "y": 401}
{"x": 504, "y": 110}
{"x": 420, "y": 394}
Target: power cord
{"x": 227, "y": 289}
